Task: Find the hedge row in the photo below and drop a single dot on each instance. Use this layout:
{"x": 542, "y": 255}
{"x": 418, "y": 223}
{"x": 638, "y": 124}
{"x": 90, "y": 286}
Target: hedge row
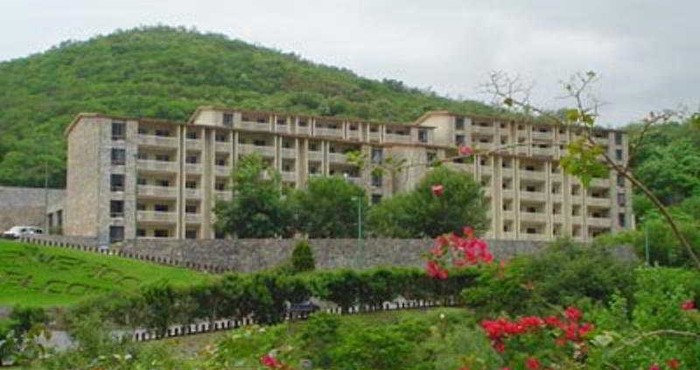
{"x": 267, "y": 295}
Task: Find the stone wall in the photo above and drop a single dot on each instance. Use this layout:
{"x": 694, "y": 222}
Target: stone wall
{"x": 27, "y": 206}
{"x": 254, "y": 254}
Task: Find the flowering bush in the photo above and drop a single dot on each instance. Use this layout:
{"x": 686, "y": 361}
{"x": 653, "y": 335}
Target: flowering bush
{"x": 459, "y": 251}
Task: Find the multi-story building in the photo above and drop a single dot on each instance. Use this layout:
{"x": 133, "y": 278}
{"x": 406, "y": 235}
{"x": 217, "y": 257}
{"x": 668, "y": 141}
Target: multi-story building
{"x": 147, "y": 178}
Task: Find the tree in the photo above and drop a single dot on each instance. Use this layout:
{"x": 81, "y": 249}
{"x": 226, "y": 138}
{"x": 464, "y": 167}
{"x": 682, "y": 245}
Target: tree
{"x": 302, "y": 257}
{"x": 429, "y": 212}
{"x": 327, "y": 208}
{"x": 585, "y": 157}
{"x": 256, "y": 208}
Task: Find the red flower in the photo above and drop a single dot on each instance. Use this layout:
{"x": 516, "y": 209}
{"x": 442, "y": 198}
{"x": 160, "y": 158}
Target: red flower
{"x": 437, "y": 189}
{"x": 465, "y": 150}
{"x": 270, "y": 361}
{"x": 673, "y": 363}
{"x": 585, "y": 328}
{"x": 572, "y": 313}
{"x": 654, "y": 367}
{"x": 687, "y": 305}
{"x": 468, "y": 231}
{"x": 532, "y": 363}
{"x": 434, "y": 270}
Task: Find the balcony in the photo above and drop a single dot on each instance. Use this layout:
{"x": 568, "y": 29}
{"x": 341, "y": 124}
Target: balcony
{"x": 542, "y": 152}
{"x": 193, "y": 168}
{"x": 599, "y": 221}
{"x": 222, "y": 171}
{"x": 507, "y": 193}
{"x": 600, "y": 183}
{"x": 558, "y": 198}
{"x": 303, "y": 130}
{"x": 397, "y": 138}
{"x": 374, "y": 136}
{"x": 328, "y": 132}
{"x": 155, "y": 216}
{"x": 533, "y": 216}
{"x": 157, "y": 166}
{"x": 353, "y": 135}
{"x": 522, "y": 149}
{"x": 157, "y": 141}
{"x": 533, "y": 237}
{"x": 193, "y": 218}
{"x": 356, "y": 180}
{"x": 223, "y": 194}
{"x": 265, "y": 151}
{"x": 288, "y": 153}
{"x": 193, "y": 193}
{"x": 194, "y": 144}
{"x": 223, "y": 146}
{"x": 254, "y": 126}
{"x": 508, "y": 235}
{"x": 559, "y": 218}
{"x": 508, "y": 215}
{"x": 488, "y": 130}
{"x": 336, "y": 158}
{"x": 532, "y": 175}
{"x": 152, "y": 191}
{"x": 285, "y": 128}
{"x": 576, "y": 220}
{"x": 288, "y": 176}
{"x": 598, "y": 202}
{"x": 543, "y": 136}
{"x": 315, "y": 155}
{"x": 537, "y": 196}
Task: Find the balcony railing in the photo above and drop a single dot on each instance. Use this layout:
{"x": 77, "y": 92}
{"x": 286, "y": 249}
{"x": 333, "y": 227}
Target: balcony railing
{"x": 315, "y": 155}
{"x": 488, "y": 130}
{"x": 193, "y": 218}
{"x": 328, "y": 132}
{"x": 155, "y": 216}
{"x": 193, "y": 193}
{"x": 193, "y": 144}
{"x": 397, "y": 138}
{"x": 223, "y": 194}
{"x": 160, "y": 141}
{"x": 536, "y": 135}
{"x": 542, "y": 152}
{"x": 288, "y": 176}
{"x": 222, "y": 170}
{"x": 533, "y": 195}
{"x": 533, "y": 216}
{"x": 157, "y": 191}
{"x": 265, "y": 151}
{"x": 157, "y": 166}
{"x": 303, "y": 130}
{"x": 599, "y": 202}
{"x": 223, "y": 146}
{"x": 354, "y": 135}
{"x": 193, "y": 168}
{"x": 254, "y": 126}
{"x": 337, "y": 158}
{"x": 374, "y": 136}
{"x": 532, "y": 175}
{"x": 288, "y": 153}
{"x": 599, "y": 221}
{"x": 600, "y": 183}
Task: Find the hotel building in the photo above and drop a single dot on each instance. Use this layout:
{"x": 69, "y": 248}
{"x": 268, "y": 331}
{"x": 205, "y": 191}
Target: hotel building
{"x": 149, "y": 178}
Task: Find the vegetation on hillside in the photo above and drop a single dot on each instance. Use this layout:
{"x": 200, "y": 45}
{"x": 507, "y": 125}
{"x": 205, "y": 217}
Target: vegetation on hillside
{"x": 166, "y": 73}
{"x": 36, "y": 276}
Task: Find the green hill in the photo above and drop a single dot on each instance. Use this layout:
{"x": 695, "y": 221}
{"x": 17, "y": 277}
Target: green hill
{"x": 166, "y": 72}
{"x": 42, "y": 276}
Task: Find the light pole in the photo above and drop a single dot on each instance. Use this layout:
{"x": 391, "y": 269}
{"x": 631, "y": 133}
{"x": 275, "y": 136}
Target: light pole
{"x": 646, "y": 241}
{"x": 360, "y": 245}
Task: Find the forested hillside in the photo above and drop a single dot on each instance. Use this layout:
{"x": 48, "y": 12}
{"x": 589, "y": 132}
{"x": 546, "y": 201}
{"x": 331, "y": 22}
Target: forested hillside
{"x": 166, "y": 72}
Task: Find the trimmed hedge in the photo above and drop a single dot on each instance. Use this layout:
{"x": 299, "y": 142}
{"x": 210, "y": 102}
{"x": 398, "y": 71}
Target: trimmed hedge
{"x": 267, "y": 295}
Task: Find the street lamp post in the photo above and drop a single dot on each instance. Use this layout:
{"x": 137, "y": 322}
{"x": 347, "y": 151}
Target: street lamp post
{"x": 360, "y": 245}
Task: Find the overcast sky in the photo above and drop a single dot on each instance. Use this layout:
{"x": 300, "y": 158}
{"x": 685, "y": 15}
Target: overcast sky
{"x": 647, "y": 52}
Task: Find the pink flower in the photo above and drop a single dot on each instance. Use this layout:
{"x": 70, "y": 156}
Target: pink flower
{"x": 654, "y": 367}
{"x": 673, "y": 363}
{"x": 687, "y": 305}
{"x": 532, "y": 363}
{"x": 465, "y": 150}
{"x": 434, "y": 270}
{"x": 437, "y": 189}
{"x": 270, "y": 361}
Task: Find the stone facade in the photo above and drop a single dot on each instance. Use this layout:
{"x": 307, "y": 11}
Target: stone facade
{"x": 171, "y": 174}
{"x": 30, "y": 207}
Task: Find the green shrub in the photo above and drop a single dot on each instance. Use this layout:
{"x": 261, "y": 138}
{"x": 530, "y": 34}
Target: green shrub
{"x": 302, "y": 257}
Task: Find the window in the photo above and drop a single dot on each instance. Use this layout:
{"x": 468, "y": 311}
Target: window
{"x": 313, "y": 147}
{"x": 287, "y": 144}
{"x": 259, "y": 143}
{"x": 377, "y": 155}
{"x": 161, "y": 132}
{"x": 141, "y": 207}
{"x": 221, "y": 138}
{"x": 191, "y": 234}
{"x": 376, "y": 198}
{"x": 191, "y": 184}
{"x": 353, "y": 127}
{"x": 618, "y": 154}
{"x": 192, "y": 159}
{"x": 620, "y": 180}
{"x": 530, "y": 188}
{"x": 163, "y": 183}
{"x": 529, "y": 168}
{"x": 621, "y": 199}
{"x": 618, "y": 138}
{"x": 262, "y": 120}
{"x": 621, "y": 220}
{"x": 281, "y": 121}
{"x": 116, "y": 182}
{"x": 423, "y": 136}
{"x": 141, "y": 181}
{"x": 459, "y": 139}
{"x": 162, "y": 157}
{"x": 373, "y": 128}
{"x": 143, "y": 131}
{"x": 192, "y": 134}
{"x": 116, "y": 233}
{"x": 376, "y": 180}
{"x": 161, "y": 233}
{"x": 161, "y": 207}
{"x": 531, "y": 230}
{"x": 459, "y": 123}
{"x": 118, "y": 156}
{"x": 191, "y": 208}
{"x": 302, "y": 123}
{"x": 118, "y": 130}
{"x": 228, "y": 119}
{"x": 220, "y": 186}
{"x": 141, "y": 232}
{"x": 431, "y": 156}
{"x": 221, "y": 162}
{"x": 116, "y": 208}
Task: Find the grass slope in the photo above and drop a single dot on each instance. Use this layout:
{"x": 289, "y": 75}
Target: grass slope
{"x": 41, "y": 276}
{"x": 167, "y": 72}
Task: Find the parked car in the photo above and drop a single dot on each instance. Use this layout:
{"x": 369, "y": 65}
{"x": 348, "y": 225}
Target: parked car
{"x": 19, "y": 231}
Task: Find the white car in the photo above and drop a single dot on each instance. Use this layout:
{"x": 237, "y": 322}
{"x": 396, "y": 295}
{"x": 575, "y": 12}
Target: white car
{"x": 19, "y": 231}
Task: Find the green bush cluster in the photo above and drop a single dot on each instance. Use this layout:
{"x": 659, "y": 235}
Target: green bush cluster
{"x": 267, "y": 295}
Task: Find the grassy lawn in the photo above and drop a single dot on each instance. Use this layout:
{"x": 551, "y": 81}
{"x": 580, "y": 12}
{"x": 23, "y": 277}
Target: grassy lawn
{"x": 33, "y": 275}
